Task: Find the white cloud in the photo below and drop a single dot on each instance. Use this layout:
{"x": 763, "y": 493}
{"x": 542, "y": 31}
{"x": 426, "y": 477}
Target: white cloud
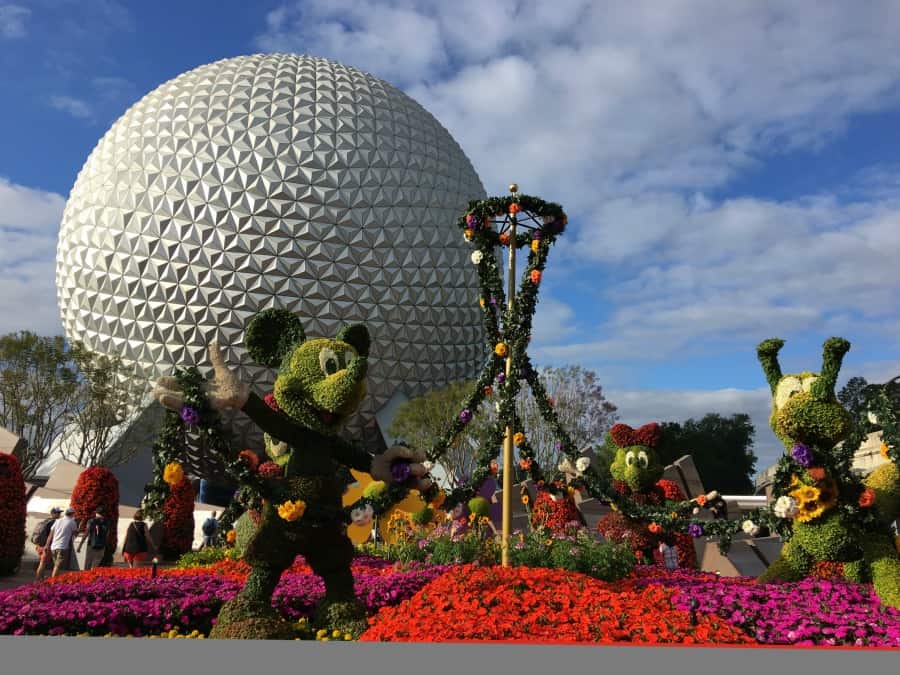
{"x": 74, "y": 106}
{"x": 29, "y": 223}
{"x": 12, "y": 21}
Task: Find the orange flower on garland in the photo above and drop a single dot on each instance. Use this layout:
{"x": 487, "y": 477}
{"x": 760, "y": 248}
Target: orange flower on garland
{"x": 514, "y": 208}
{"x": 518, "y": 438}
{"x": 488, "y": 391}
{"x": 655, "y": 528}
{"x": 231, "y": 537}
{"x": 867, "y": 498}
{"x": 504, "y": 239}
{"x": 535, "y": 276}
{"x": 500, "y": 349}
{"x": 701, "y": 500}
{"x": 816, "y": 472}
{"x": 468, "y": 234}
{"x": 525, "y": 463}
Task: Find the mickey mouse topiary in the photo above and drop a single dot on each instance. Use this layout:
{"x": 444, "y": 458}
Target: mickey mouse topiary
{"x": 320, "y": 383}
{"x": 636, "y": 472}
{"x": 831, "y": 515}
{"x": 12, "y": 514}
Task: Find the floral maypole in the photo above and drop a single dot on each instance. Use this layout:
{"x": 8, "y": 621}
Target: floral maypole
{"x": 514, "y": 222}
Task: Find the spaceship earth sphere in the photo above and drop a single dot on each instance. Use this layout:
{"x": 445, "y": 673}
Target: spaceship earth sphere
{"x": 274, "y": 180}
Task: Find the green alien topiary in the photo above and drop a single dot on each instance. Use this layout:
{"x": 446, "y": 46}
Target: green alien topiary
{"x": 320, "y": 383}
{"x": 834, "y": 516}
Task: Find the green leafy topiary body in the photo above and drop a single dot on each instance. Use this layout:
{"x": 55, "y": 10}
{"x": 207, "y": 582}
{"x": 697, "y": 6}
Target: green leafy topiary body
{"x": 834, "y": 517}
{"x": 320, "y": 382}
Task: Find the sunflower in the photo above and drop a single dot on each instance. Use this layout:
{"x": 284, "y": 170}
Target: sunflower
{"x": 806, "y": 493}
{"x": 810, "y": 510}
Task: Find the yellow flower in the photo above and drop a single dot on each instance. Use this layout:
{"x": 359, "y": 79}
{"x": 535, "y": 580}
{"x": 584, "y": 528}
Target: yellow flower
{"x": 481, "y": 302}
{"x": 347, "y": 636}
{"x": 501, "y": 349}
{"x": 884, "y": 450}
{"x": 468, "y": 234}
{"x": 810, "y": 510}
{"x": 806, "y": 493}
{"x": 548, "y": 542}
{"x": 336, "y": 633}
{"x": 321, "y": 633}
{"x": 173, "y": 474}
{"x": 535, "y": 245}
{"x": 292, "y": 511}
{"x": 484, "y": 520}
{"x": 525, "y": 500}
{"x": 794, "y": 480}
{"x": 519, "y": 438}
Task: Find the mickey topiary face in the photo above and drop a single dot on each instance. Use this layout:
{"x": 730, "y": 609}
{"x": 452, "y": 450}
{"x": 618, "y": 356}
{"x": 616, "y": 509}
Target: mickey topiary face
{"x": 636, "y": 463}
{"x": 804, "y": 407}
{"x": 320, "y": 382}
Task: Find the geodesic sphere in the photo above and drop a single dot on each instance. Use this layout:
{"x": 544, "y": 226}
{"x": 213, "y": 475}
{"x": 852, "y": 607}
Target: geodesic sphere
{"x": 275, "y": 181}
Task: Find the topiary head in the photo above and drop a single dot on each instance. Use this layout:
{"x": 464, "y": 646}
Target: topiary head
{"x": 636, "y": 463}
{"x": 804, "y": 406}
{"x": 480, "y": 507}
{"x": 321, "y": 381}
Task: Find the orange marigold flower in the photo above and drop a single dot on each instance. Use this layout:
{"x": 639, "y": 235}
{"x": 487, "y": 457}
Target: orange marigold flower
{"x": 701, "y": 500}
{"x": 535, "y": 276}
{"x": 514, "y": 208}
{"x": 504, "y": 239}
{"x": 518, "y": 438}
{"x": 816, "y": 472}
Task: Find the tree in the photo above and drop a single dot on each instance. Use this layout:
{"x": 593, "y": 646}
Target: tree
{"x": 721, "y": 448}
{"x": 854, "y": 397}
{"x": 422, "y": 421}
{"x": 101, "y": 403}
{"x": 38, "y": 383}
{"x": 580, "y": 405}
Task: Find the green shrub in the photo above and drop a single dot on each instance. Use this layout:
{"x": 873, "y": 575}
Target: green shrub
{"x": 480, "y": 506}
{"x": 244, "y": 529}
{"x": 205, "y": 556}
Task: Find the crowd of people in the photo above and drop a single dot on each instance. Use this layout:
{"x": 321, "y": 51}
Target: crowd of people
{"x": 55, "y": 537}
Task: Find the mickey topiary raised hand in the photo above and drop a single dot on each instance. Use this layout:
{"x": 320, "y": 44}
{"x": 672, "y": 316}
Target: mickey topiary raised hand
{"x": 636, "y": 472}
{"x": 834, "y": 516}
{"x": 320, "y": 383}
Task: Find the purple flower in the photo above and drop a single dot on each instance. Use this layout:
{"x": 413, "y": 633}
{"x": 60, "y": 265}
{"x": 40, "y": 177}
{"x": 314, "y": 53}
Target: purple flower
{"x": 465, "y": 416}
{"x": 537, "y": 234}
{"x": 190, "y": 415}
{"x": 695, "y": 530}
{"x": 400, "y": 471}
{"x": 501, "y": 378}
{"x": 802, "y": 455}
{"x": 471, "y": 221}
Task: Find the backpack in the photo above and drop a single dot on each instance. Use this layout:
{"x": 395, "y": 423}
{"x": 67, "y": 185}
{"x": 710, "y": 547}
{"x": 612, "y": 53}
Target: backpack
{"x": 209, "y": 526}
{"x": 98, "y": 530}
{"x": 42, "y": 532}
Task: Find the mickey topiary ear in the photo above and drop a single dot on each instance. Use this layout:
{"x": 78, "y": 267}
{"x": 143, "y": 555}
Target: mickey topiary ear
{"x": 271, "y": 335}
{"x": 356, "y": 335}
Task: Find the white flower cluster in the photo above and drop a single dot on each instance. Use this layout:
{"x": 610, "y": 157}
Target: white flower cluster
{"x": 477, "y": 257}
{"x": 786, "y": 507}
{"x": 750, "y": 528}
{"x": 362, "y": 515}
{"x": 582, "y": 464}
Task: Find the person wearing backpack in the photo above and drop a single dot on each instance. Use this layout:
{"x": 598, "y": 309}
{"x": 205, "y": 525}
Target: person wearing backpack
{"x": 137, "y": 540}
{"x": 62, "y": 534}
{"x": 210, "y": 526}
{"x": 96, "y": 534}
{"x": 40, "y": 538}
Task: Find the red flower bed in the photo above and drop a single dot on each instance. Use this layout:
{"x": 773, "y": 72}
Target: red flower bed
{"x": 97, "y": 487}
{"x": 12, "y": 514}
{"x": 178, "y": 520}
{"x": 520, "y": 604}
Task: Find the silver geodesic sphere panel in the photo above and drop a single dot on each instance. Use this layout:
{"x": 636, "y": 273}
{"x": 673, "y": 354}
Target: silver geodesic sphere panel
{"x": 275, "y": 181}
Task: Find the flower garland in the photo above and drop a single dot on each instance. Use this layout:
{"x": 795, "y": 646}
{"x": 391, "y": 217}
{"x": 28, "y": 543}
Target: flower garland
{"x": 13, "y": 512}
{"x": 488, "y": 224}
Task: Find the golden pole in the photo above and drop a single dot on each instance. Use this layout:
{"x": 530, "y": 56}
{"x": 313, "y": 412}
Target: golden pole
{"x": 508, "y": 441}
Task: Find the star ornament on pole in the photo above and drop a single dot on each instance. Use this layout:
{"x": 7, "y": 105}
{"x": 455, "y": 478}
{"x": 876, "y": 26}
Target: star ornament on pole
{"x": 516, "y": 223}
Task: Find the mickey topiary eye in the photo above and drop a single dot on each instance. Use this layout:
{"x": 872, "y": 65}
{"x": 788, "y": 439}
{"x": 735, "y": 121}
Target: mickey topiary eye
{"x": 643, "y": 460}
{"x": 630, "y": 458}
{"x": 328, "y": 360}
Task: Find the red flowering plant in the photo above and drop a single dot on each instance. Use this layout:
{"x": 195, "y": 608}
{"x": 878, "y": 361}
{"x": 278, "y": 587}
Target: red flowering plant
{"x": 535, "y": 605}
{"x": 12, "y": 514}
{"x": 554, "y": 511}
{"x": 178, "y": 520}
{"x": 98, "y": 488}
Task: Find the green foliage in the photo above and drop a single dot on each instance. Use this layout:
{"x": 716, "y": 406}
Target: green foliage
{"x": 828, "y": 538}
{"x": 205, "y": 556}
{"x": 885, "y": 565}
{"x": 885, "y": 481}
{"x": 637, "y": 466}
{"x": 271, "y": 335}
{"x": 480, "y": 506}
{"x": 423, "y": 516}
{"x": 244, "y": 529}
{"x": 805, "y": 419}
{"x": 721, "y": 447}
{"x": 792, "y": 565}
{"x": 38, "y": 386}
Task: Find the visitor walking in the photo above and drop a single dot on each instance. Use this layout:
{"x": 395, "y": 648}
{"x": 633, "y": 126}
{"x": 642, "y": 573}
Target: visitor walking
{"x": 669, "y": 552}
{"x": 210, "y": 527}
{"x": 138, "y": 543}
{"x": 41, "y": 541}
{"x": 96, "y": 534}
{"x": 61, "y": 537}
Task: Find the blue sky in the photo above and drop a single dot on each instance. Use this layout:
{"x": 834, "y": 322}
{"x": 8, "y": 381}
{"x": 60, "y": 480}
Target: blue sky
{"x": 731, "y": 170}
